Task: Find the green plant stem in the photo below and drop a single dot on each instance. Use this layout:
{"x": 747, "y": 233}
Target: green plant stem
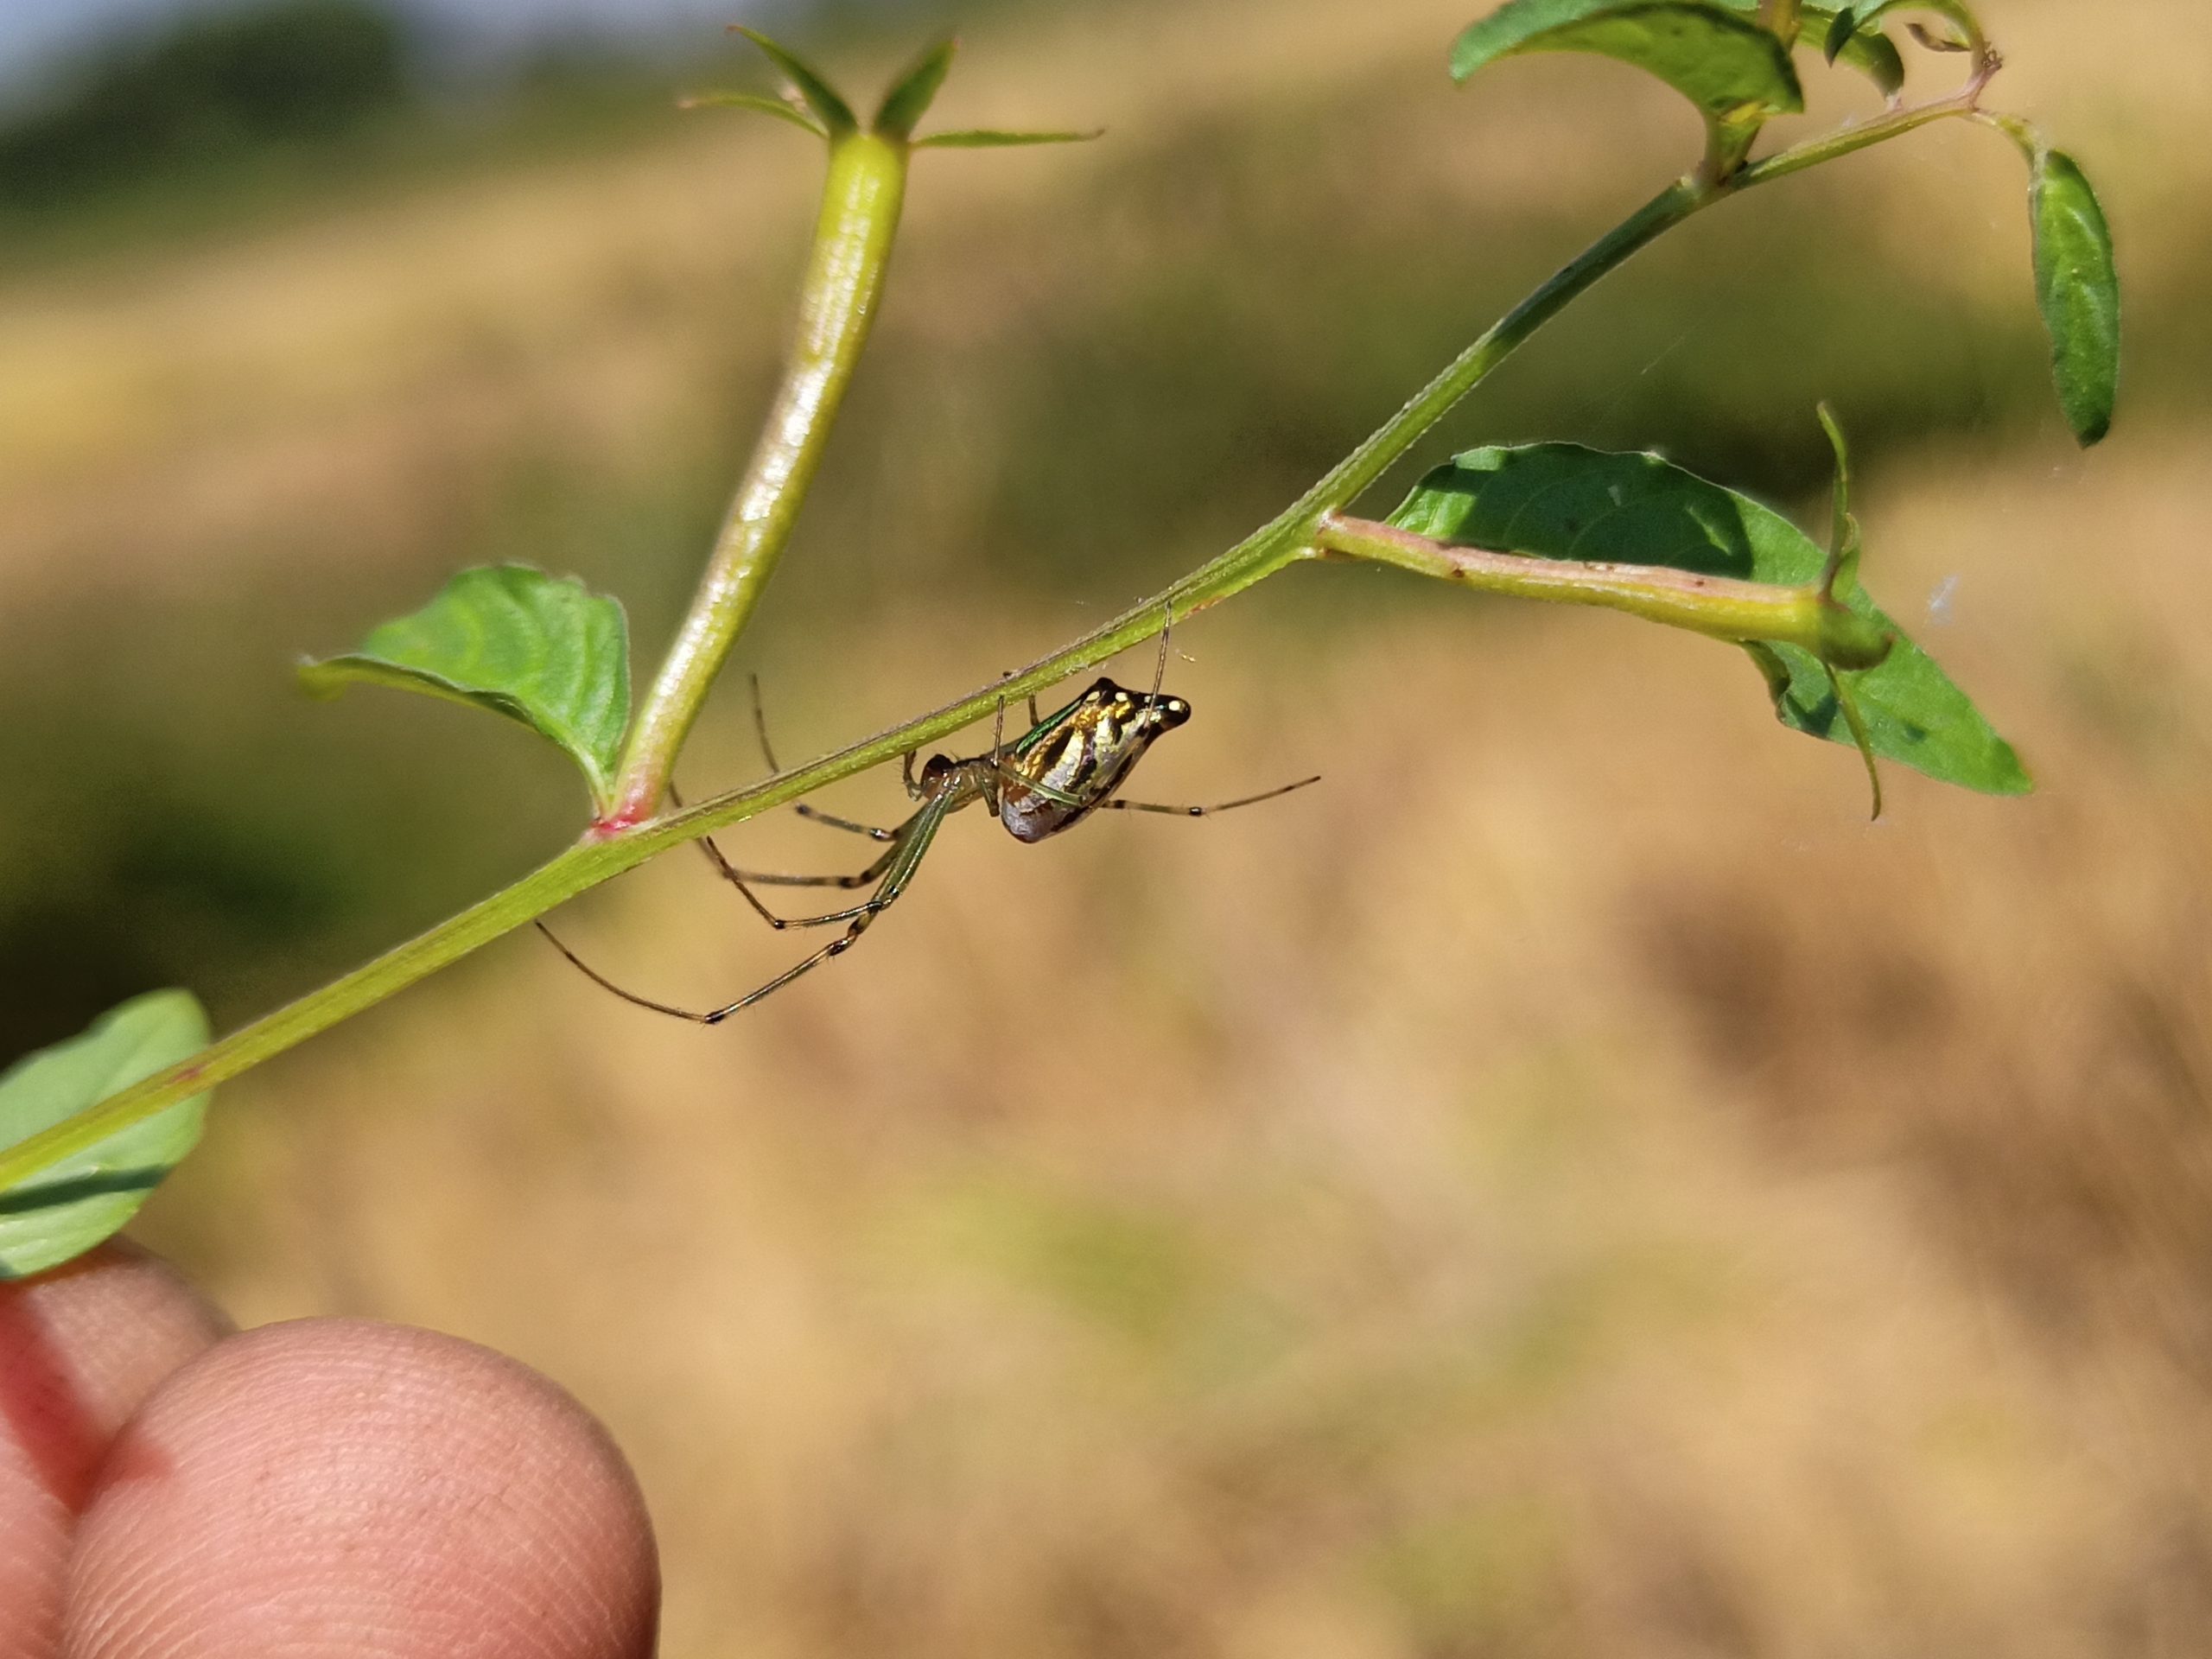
{"x": 861, "y": 205}
{"x": 1722, "y": 607}
{"x": 2031, "y": 142}
{"x": 1288, "y": 538}
{"x": 1846, "y": 141}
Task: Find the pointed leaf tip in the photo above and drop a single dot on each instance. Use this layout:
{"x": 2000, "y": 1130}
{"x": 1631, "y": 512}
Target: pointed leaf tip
{"x": 830, "y": 110}
{"x": 547, "y": 653}
{"x": 81, "y": 1201}
{"x": 987, "y": 138}
{"x": 912, "y": 94}
{"x": 1841, "y": 27}
{"x": 1874, "y": 56}
{"x": 1842, "y": 572}
{"x": 757, "y": 104}
{"x": 1824, "y": 412}
{"x": 1859, "y": 736}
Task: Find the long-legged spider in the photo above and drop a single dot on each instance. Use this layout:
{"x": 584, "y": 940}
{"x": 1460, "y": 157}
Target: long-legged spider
{"x": 1067, "y": 766}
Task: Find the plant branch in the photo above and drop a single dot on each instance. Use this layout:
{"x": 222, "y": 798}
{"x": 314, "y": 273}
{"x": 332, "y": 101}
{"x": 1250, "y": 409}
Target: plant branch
{"x": 861, "y": 204}
{"x": 870, "y": 194}
{"x": 1845, "y": 140}
{"x": 1722, "y": 607}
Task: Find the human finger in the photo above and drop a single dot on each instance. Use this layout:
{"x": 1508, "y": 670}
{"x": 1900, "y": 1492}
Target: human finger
{"x": 80, "y": 1348}
{"x": 345, "y": 1486}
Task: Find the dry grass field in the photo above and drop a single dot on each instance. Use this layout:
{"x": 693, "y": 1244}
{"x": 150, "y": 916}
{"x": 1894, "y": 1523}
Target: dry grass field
{"x": 1568, "y": 1186}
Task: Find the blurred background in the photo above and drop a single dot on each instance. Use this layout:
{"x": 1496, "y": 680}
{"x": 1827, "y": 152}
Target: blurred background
{"x": 1567, "y": 1185}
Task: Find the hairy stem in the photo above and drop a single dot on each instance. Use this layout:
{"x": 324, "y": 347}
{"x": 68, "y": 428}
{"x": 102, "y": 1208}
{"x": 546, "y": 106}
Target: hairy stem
{"x": 629, "y": 841}
{"x": 861, "y": 204}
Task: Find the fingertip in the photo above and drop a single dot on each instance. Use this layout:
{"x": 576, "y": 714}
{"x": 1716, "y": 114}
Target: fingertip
{"x": 80, "y": 1348}
{"x": 365, "y": 1488}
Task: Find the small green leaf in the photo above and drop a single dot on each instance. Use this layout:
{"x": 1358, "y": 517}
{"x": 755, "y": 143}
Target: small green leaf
{"x": 1841, "y": 574}
{"x": 66, "y": 1209}
{"x": 546, "y": 652}
{"x": 986, "y": 139}
{"x": 911, "y": 96}
{"x": 1934, "y": 43}
{"x": 760, "y": 105}
{"x": 1872, "y": 54}
{"x": 1848, "y": 702}
{"x": 1875, "y": 56}
{"x": 1867, "y": 15}
{"x": 1562, "y": 502}
{"x": 2078, "y": 289}
{"x": 834, "y": 114}
{"x": 1733, "y": 70}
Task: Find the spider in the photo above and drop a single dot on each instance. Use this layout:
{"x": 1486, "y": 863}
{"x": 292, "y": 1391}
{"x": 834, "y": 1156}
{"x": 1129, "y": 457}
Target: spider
{"x": 1070, "y": 764}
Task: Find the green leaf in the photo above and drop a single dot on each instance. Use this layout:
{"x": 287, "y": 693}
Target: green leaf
{"x": 1934, "y": 43}
{"x": 1865, "y": 16}
{"x": 1873, "y": 56}
{"x": 1841, "y": 574}
{"x": 546, "y": 652}
{"x": 1871, "y": 53}
{"x": 1562, "y": 502}
{"x": 831, "y": 110}
{"x": 760, "y": 105}
{"x": 66, "y": 1210}
{"x": 1725, "y": 64}
{"x": 986, "y": 139}
{"x": 2078, "y": 289}
{"x": 1838, "y": 578}
{"x": 910, "y": 97}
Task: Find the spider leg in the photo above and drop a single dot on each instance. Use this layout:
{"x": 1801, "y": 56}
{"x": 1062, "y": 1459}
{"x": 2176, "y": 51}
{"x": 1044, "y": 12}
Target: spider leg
{"x": 768, "y": 754}
{"x": 871, "y": 831}
{"x": 1003, "y": 775}
{"x": 739, "y": 879}
{"x": 997, "y": 772}
{"x": 610, "y": 987}
{"x": 707, "y": 845}
{"x": 1206, "y": 812}
{"x": 760, "y": 724}
{"x": 919, "y": 831}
